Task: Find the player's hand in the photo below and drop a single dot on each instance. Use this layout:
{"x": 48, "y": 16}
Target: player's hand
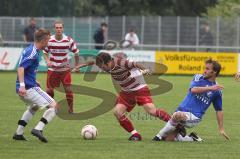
{"x": 22, "y": 91}
{"x": 146, "y": 72}
{"x": 49, "y": 63}
{"x": 237, "y": 76}
{"x": 216, "y": 87}
{"x": 223, "y": 133}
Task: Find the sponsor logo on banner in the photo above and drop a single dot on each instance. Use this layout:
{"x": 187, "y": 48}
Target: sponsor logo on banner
{"x": 9, "y": 58}
{"x": 142, "y": 56}
{"x": 146, "y": 58}
{"x": 193, "y": 62}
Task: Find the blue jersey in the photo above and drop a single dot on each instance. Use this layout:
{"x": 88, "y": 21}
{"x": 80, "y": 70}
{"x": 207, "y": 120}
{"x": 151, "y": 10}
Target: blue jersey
{"x": 197, "y": 104}
{"x": 29, "y": 61}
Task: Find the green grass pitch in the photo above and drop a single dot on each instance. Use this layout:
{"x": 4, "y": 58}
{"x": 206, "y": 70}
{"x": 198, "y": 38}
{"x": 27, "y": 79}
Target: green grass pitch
{"x": 65, "y": 140}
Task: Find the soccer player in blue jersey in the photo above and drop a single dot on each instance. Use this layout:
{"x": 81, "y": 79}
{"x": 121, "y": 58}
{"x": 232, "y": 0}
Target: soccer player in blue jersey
{"x": 203, "y": 91}
{"x": 29, "y": 91}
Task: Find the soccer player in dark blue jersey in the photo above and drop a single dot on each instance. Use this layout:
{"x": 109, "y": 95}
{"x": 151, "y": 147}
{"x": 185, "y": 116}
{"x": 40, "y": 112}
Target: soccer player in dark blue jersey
{"x": 29, "y": 90}
{"x": 203, "y": 92}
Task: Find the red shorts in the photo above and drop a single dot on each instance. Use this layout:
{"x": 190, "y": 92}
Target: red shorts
{"x": 55, "y": 78}
{"x": 130, "y": 99}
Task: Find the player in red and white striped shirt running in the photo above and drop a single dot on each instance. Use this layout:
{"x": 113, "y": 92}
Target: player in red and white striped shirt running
{"x": 56, "y": 56}
{"x": 134, "y": 90}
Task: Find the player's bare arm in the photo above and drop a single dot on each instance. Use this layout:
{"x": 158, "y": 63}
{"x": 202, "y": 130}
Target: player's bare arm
{"x": 88, "y": 63}
{"x": 222, "y": 132}
{"x": 24, "y": 38}
{"x": 22, "y": 90}
{"x": 76, "y": 58}
{"x": 143, "y": 69}
{"x": 45, "y": 55}
{"x": 197, "y": 90}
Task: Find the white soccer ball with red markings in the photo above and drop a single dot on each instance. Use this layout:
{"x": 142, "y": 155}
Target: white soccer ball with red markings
{"x": 89, "y": 132}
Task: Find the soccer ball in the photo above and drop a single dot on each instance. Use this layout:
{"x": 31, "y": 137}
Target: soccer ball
{"x": 89, "y": 132}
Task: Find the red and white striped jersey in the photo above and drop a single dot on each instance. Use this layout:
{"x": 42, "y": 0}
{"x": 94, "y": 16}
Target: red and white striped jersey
{"x": 58, "y": 52}
{"x": 127, "y": 75}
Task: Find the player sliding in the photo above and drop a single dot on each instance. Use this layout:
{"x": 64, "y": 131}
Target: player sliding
{"x": 134, "y": 90}
{"x": 29, "y": 91}
{"x": 203, "y": 91}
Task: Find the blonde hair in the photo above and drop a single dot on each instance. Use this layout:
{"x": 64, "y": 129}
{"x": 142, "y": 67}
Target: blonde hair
{"x": 58, "y": 22}
{"x": 41, "y": 34}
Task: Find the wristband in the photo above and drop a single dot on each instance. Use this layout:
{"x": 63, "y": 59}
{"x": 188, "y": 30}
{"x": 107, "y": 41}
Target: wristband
{"x": 22, "y": 84}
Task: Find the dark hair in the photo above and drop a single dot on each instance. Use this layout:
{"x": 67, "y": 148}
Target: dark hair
{"x": 104, "y": 24}
{"x": 103, "y": 58}
{"x": 41, "y": 34}
{"x": 216, "y": 65}
{"x": 131, "y": 30}
{"x": 31, "y": 19}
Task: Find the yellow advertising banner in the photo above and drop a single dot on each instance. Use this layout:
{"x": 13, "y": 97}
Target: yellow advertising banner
{"x": 193, "y": 62}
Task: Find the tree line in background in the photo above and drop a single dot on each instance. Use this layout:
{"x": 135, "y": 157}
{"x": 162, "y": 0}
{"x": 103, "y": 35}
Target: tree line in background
{"x": 67, "y": 8}
{"x": 104, "y": 7}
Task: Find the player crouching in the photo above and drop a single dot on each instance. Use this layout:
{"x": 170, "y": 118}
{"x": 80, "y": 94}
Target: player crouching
{"x": 203, "y": 91}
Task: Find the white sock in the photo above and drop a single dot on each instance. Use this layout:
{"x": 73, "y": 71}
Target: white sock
{"x": 40, "y": 125}
{"x": 20, "y": 130}
{"x": 48, "y": 115}
{"x": 186, "y": 138}
{"x": 166, "y": 129}
{"x": 27, "y": 115}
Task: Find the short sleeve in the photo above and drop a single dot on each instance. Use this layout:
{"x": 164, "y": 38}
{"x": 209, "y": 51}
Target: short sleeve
{"x": 46, "y": 50}
{"x": 136, "y": 41}
{"x": 127, "y": 37}
{"x": 25, "y": 63}
{"x": 196, "y": 81}
{"x": 26, "y": 59}
{"x": 73, "y": 46}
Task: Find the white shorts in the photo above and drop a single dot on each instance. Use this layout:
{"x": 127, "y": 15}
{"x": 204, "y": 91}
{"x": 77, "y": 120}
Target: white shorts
{"x": 37, "y": 97}
{"x": 191, "y": 121}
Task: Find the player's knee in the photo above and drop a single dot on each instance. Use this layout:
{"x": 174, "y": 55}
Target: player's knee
{"x": 151, "y": 112}
{"x": 117, "y": 113}
{"x": 68, "y": 89}
{"x": 179, "y": 116}
{"x": 150, "y": 109}
{"x": 54, "y": 104}
{"x": 49, "y": 90}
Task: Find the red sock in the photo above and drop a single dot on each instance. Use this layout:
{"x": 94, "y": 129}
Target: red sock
{"x": 69, "y": 96}
{"x": 126, "y": 124}
{"x": 163, "y": 115}
{"x": 51, "y": 93}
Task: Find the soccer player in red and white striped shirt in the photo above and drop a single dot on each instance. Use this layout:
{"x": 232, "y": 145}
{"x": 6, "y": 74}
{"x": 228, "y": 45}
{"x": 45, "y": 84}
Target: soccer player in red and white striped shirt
{"x": 56, "y": 56}
{"x": 134, "y": 90}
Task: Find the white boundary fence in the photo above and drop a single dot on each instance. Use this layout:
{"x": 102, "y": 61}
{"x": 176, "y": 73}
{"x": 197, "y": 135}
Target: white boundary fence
{"x": 155, "y": 32}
